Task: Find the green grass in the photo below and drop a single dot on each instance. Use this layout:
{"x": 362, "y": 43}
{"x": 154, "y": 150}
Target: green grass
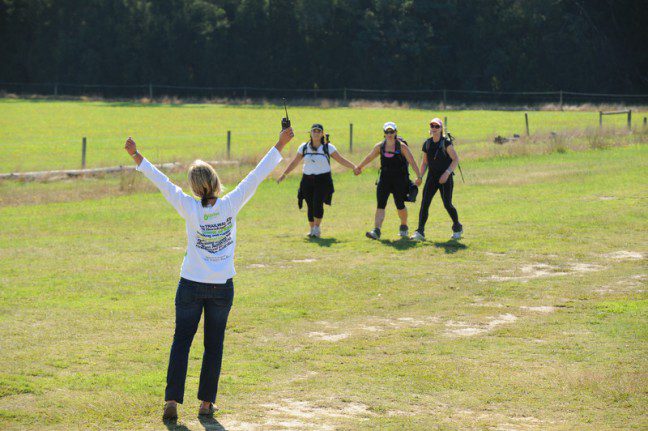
{"x": 364, "y": 335}
{"x": 46, "y": 135}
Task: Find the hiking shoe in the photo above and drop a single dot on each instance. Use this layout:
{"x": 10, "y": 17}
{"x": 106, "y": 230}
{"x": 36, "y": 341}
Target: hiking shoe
{"x": 457, "y": 231}
{"x": 403, "y": 231}
{"x": 310, "y": 234}
{"x": 170, "y": 411}
{"x": 373, "y": 234}
{"x": 208, "y": 411}
{"x": 418, "y": 236}
{"x": 317, "y": 232}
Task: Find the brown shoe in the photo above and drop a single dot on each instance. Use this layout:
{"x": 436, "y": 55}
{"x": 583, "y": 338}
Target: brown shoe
{"x": 207, "y": 411}
{"x": 170, "y": 410}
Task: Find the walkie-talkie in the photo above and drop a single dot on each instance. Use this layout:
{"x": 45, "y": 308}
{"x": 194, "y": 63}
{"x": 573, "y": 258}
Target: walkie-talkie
{"x": 285, "y": 122}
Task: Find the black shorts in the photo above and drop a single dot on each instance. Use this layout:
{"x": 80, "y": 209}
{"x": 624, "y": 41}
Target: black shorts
{"x": 395, "y": 186}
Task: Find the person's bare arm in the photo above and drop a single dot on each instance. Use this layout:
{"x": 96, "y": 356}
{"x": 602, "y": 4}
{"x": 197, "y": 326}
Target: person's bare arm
{"x": 372, "y": 155}
{"x": 341, "y": 160}
{"x": 410, "y": 159}
{"x": 453, "y": 165}
{"x": 424, "y": 164}
{"x": 293, "y": 163}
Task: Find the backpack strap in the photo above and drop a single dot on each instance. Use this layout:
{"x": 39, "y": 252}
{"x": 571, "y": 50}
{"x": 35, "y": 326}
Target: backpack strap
{"x": 325, "y": 147}
{"x": 326, "y": 152}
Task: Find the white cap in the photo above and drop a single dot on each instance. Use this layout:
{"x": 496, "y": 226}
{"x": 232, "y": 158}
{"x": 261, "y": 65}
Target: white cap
{"x": 437, "y": 121}
{"x": 389, "y": 125}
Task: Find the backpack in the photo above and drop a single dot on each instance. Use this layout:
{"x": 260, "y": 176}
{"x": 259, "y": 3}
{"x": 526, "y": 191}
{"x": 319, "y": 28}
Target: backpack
{"x": 412, "y": 189}
{"x": 449, "y": 138}
{"x": 325, "y": 148}
{"x": 397, "y": 152}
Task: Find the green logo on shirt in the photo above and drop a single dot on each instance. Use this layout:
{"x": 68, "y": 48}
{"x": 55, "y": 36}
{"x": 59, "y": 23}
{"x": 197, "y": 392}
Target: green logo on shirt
{"x": 208, "y": 216}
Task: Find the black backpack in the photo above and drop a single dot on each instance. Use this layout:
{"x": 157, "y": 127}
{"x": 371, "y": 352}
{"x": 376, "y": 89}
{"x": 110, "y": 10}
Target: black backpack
{"x": 412, "y": 189}
{"x": 442, "y": 147}
{"x": 325, "y": 148}
{"x": 397, "y": 152}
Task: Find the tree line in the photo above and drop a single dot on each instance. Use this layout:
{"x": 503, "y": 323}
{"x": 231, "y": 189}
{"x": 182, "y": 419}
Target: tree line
{"x": 494, "y": 45}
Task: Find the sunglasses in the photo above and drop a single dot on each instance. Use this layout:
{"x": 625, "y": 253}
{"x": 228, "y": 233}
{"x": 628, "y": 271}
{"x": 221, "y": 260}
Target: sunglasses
{"x": 389, "y": 132}
{"x": 435, "y": 126}
{"x": 316, "y": 130}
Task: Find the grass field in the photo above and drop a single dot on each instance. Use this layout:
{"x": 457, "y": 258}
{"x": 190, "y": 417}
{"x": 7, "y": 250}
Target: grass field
{"x": 46, "y": 135}
{"x": 536, "y": 320}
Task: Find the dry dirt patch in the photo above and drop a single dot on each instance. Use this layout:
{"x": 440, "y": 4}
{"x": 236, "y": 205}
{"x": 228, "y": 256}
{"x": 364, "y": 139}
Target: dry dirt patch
{"x": 540, "y": 270}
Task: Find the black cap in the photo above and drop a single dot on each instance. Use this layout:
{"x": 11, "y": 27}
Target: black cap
{"x": 317, "y": 126}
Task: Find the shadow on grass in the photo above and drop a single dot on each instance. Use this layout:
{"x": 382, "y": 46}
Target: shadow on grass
{"x": 322, "y": 242}
{"x": 451, "y": 246}
{"x": 208, "y": 422}
{"x": 211, "y": 424}
{"x": 173, "y": 425}
{"x": 398, "y": 244}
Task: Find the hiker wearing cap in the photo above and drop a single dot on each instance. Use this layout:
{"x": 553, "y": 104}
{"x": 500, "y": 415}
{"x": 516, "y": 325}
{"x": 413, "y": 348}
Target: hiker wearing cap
{"x": 440, "y": 157}
{"x": 316, "y": 186}
{"x": 208, "y": 267}
{"x": 394, "y": 177}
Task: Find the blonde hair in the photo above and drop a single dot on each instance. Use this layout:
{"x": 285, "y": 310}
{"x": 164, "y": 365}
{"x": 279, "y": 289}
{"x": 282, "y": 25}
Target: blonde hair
{"x": 204, "y": 181}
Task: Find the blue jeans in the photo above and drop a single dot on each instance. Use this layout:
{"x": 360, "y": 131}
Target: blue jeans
{"x": 191, "y": 298}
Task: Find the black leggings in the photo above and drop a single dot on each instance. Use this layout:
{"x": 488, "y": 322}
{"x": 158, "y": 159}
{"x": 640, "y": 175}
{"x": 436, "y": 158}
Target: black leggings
{"x": 395, "y": 186}
{"x": 314, "y": 190}
{"x": 430, "y": 189}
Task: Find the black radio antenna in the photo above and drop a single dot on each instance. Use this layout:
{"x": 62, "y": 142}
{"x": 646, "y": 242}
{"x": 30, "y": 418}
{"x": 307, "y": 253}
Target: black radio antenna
{"x": 284, "y": 101}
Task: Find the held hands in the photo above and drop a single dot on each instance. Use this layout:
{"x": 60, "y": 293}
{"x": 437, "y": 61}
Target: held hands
{"x": 130, "y": 146}
{"x": 357, "y": 170}
{"x": 418, "y": 181}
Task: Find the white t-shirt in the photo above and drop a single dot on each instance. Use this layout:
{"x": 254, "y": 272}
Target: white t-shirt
{"x": 211, "y": 231}
{"x": 315, "y": 161}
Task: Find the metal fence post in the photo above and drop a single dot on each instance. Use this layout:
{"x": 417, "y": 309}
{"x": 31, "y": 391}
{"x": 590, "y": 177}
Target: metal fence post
{"x": 629, "y": 119}
{"x": 83, "y": 153}
{"x": 350, "y": 137}
{"x": 600, "y": 119}
{"x": 526, "y": 121}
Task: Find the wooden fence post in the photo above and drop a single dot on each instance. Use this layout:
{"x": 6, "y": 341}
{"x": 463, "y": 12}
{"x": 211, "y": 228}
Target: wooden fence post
{"x": 83, "y": 153}
{"x": 229, "y": 142}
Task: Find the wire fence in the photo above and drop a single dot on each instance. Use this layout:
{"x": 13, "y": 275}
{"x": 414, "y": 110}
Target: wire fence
{"x": 442, "y": 97}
